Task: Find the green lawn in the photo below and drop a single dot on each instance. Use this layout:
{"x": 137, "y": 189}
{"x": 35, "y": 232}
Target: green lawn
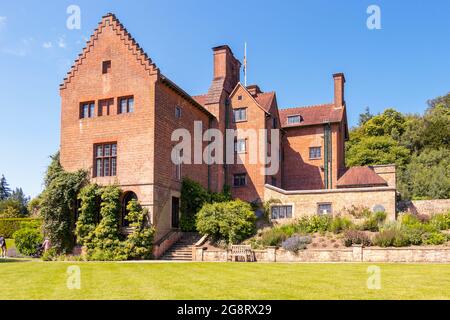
{"x": 47, "y": 280}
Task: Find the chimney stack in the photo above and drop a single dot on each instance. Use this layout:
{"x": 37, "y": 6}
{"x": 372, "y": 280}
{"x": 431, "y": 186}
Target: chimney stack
{"x": 254, "y": 90}
{"x": 226, "y": 66}
{"x": 339, "y": 83}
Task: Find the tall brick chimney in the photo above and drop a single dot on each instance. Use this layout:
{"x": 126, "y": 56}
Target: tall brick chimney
{"x": 339, "y": 84}
{"x": 226, "y": 66}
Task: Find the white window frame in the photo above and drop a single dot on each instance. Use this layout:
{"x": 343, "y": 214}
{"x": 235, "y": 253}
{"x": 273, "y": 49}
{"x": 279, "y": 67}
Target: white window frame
{"x": 239, "y": 111}
{"x": 284, "y": 205}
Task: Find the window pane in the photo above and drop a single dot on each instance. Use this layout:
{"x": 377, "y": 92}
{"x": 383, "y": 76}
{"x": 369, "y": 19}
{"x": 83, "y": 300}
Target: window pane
{"x": 130, "y": 104}
{"x": 325, "y": 209}
{"x": 275, "y": 211}
{"x": 107, "y": 150}
{"x": 99, "y": 151}
{"x": 91, "y": 110}
{"x": 282, "y": 212}
{"x": 114, "y": 149}
{"x": 99, "y": 172}
{"x": 113, "y": 166}
{"x": 289, "y": 212}
{"x": 85, "y": 111}
{"x": 293, "y": 119}
{"x": 123, "y": 106}
{"x": 106, "y": 167}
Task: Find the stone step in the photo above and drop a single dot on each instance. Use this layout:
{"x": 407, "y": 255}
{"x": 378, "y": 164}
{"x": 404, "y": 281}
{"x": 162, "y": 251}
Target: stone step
{"x": 182, "y": 250}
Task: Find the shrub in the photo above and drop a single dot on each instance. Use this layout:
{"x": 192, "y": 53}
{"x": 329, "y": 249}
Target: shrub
{"x": 10, "y": 225}
{"x": 273, "y": 237}
{"x": 414, "y": 235}
{"x": 357, "y": 212}
{"x": 441, "y": 221}
{"x": 434, "y": 238}
{"x": 373, "y": 221}
{"x": 339, "y": 224}
{"x": 313, "y": 224}
{"x": 401, "y": 240}
{"x": 88, "y": 213}
{"x": 392, "y": 236}
{"x": 106, "y": 233}
{"x": 232, "y": 221}
{"x": 58, "y": 202}
{"x": 26, "y": 240}
{"x": 193, "y": 197}
{"x": 352, "y": 237}
{"x": 50, "y": 255}
{"x": 409, "y": 220}
{"x": 296, "y": 243}
{"x": 139, "y": 244}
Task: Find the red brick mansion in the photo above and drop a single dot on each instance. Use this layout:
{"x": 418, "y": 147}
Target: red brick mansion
{"x": 118, "y": 113}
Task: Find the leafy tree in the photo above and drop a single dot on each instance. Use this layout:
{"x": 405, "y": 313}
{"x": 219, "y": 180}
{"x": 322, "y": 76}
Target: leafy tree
{"x": 389, "y": 123}
{"x": 377, "y": 150}
{"x": 59, "y": 202}
{"x": 444, "y": 100}
{"x": 427, "y": 176}
{"x": 10, "y": 208}
{"x": 34, "y": 206}
{"x": 437, "y": 127}
{"x": 5, "y": 191}
{"x": 232, "y": 221}
{"x": 364, "y": 117}
{"x": 412, "y": 138}
{"x": 20, "y": 197}
{"x": 193, "y": 197}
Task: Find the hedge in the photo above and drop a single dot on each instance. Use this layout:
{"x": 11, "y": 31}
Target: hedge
{"x": 10, "y": 225}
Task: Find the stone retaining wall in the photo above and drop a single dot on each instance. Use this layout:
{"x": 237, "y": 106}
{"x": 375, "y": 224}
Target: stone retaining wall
{"x": 427, "y": 207}
{"x": 353, "y": 254}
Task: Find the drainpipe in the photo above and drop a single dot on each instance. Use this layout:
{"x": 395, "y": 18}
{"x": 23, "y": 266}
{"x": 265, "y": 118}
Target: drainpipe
{"x": 225, "y": 167}
{"x": 327, "y": 156}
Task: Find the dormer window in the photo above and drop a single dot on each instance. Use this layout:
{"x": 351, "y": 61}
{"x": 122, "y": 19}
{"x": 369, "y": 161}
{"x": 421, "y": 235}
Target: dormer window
{"x": 294, "y": 119}
{"x": 106, "y": 66}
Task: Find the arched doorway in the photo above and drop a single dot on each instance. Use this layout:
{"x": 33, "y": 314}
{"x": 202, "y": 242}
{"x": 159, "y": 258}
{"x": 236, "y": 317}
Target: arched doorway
{"x": 128, "y": 196}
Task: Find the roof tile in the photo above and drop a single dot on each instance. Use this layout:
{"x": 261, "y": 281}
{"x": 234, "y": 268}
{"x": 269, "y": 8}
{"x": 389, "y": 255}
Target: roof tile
{"x": 312, "y": 115}
{"x": 360, "y": 177}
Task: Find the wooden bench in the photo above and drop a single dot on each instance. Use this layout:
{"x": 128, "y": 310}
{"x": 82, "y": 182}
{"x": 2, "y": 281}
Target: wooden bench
{"x": 242, "y": 251}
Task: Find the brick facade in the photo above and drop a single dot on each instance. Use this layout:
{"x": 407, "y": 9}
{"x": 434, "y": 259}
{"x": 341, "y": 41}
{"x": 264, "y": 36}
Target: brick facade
{"x": 143, "y": 136}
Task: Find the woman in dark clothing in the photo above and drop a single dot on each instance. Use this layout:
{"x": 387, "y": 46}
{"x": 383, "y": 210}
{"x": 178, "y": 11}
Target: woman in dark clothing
{"x": 3, "y": 246}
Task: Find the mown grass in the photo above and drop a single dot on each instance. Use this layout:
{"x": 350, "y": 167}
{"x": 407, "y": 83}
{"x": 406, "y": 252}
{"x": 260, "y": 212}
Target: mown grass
{"x": 48, "y": 280}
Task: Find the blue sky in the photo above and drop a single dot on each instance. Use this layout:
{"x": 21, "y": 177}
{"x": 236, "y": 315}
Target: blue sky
{"x": 294, "y": 47}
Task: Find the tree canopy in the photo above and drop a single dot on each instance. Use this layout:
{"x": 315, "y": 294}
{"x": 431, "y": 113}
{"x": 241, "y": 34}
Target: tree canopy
{"x": 417, "y": 144}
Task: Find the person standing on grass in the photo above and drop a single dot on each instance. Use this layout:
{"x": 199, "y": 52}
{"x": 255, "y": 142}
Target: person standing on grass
{"x": 46, "y": 245}
{"x": 3, "y": 246}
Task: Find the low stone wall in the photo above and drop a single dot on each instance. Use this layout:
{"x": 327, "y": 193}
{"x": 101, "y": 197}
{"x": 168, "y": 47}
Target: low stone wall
{"x": 353, "y": 254}
{"x": 165, "y": 243}
{"x": 428, "y": 207}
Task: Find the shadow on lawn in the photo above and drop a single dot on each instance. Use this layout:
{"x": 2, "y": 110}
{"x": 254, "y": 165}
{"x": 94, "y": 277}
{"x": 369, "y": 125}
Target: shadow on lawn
{"x": 10, "y": 260}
